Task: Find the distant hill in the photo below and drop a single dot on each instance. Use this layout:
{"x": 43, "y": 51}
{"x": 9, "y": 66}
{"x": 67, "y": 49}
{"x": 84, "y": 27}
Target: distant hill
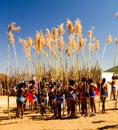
{"x": 112, "y": 69}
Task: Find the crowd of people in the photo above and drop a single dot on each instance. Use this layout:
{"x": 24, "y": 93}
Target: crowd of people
{"x": 62, "y": 94}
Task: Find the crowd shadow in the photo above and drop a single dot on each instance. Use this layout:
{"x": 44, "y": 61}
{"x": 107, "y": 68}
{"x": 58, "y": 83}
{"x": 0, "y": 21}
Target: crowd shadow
{"x": 3, "y": 117}
{"x": 108, "y": 127}
{"x": 48, "y": 117}
{"x": 111, "y": 109}
{"x": 37, "y": 115}
{"x": 13, "y": 110}
{"x": 100, "y": 121}
{"x": 9, "y": 123}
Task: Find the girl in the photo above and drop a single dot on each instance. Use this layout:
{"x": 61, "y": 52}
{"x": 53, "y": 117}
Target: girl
{"x": 92, "y": 94}
{"x": 103, "y": 93}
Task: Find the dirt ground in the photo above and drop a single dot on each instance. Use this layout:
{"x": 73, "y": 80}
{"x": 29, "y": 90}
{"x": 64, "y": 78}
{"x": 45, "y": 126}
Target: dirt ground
{"x": 107, "y": 121}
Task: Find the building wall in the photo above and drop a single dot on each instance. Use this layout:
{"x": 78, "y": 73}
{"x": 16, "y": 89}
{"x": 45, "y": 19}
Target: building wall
{"x": 107, "y": 75}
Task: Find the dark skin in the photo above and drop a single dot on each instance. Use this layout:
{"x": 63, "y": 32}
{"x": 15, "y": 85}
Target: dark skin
{"x": 92, "y": 101}
{"x": 103, "y": 94}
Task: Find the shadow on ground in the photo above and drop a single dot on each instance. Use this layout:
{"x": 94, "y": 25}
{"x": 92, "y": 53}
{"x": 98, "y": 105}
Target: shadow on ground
{"x": 49, "y": 117}
{"x": 100, "y": 121}
{"x": 108, "y": 127}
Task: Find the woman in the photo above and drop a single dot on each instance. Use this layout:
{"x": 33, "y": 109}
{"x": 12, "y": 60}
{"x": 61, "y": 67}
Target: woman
{"x": 92, "y": 94}
{"x": 104, "y": 93}
{"x": 113, "y": 89}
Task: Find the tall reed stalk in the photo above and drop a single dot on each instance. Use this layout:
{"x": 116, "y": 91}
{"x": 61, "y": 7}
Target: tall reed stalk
{"x": 26, "y": 47}
{"x": 16, "y": 60}
{"x": 115, "y": 55}
{"x": 108, "y": 41}
{"x": 11, "y": 27}
{"x": 8, "y": 79}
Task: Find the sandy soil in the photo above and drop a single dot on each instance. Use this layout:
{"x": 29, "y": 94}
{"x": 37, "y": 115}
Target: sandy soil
{"x": 107, "y": 121}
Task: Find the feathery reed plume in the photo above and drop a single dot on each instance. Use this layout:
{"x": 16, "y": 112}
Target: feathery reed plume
{"x": 29, "y": 42}
{"x": 16, "y": 28}
{"x": 78, "y": 27}
{"x": 70, "y": 26}
{"x": 48, "y": 35}
{"x": 116, "y": 15}
{"x": 11, "y": 27}
{"x": 61, "y": 29}
{"x": 22, "y": 41}
{"x": 54, "y": 42}
{"x": 26, "y": 46}
{"x": 27, "y": 52}
{"x": 61, "y": 41}
{"x": 67, "y": 50}
{"x": 90, "y": 34}
{"x": 48, "y": 39}
{"x": 116, "y": 41}
{"x": 54, "y": 33}
{"x": 91, "y": 48}
{"x": 10, "y": 37}
{"x": 108, "y": 39}
{"x": 39, "y": 41}
{"x": 72, "y": 43}
{"x": 82, "y": 41}
{"x": 97, "y": 46}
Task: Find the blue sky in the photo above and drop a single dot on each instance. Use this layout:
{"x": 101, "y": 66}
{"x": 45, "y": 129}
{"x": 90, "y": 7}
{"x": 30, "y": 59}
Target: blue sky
{"x": 32, "y": 15}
